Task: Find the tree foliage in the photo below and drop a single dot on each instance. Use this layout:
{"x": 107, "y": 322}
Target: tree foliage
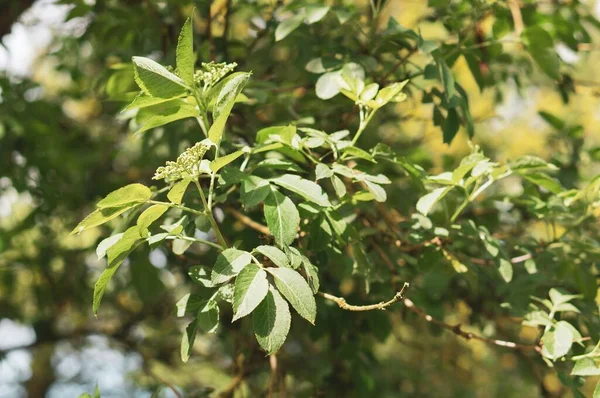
{"x": 292, "y": 224}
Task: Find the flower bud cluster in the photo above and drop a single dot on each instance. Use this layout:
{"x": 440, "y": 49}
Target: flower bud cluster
{"x": 187, "y": 164}
{"x": 213, "y": 72}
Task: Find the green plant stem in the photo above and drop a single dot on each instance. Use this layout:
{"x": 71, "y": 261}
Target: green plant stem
{"x": 362, "y": 126}
{"x": 180, "y": 207}
{"x": 460, "y": 208}
{"x": 197, "y": 240}
{"x": 211, "y": 218}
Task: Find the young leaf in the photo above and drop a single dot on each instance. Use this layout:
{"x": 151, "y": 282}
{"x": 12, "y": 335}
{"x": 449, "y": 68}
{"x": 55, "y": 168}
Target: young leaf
{"x": 155, "y": 80}
{"x": 229, "y": 263}
{"x": 557, "y": 341}
{"x": 232, "y": 86}
{"x": 282, "y": 217}
{"x": 541, "y": 47}
{"x": 329, "y": 85}
{"x": 223, "y": 161}
{"x": 295, "y": 289}
{"x": 275, "y": 255}
{"x": 150, "y": 215}
{"x": 271, "y": 321}
{"x": 289, "y": 25}
{"x": 426, "y": 203}
{"x": 101, "y": 216}
{"x": 185, "y": 53}
{"x": 144, "y": 101}
{"x": 506, "y": 270}
{"x": 177, "y": 191}
{"x": 132, "y": 193}
{"x": 377, "y": 191}
{"x": 183, "y": 111}
{"x": 322, "y": 171}
{"x": 305, "y": 188}
{"x": 585, "y": 367}
{"x": 338, "y": 186}
{"x": 254, "y": 190}
{"x": 251, "y": 287}
{"x": 105, "y": 244}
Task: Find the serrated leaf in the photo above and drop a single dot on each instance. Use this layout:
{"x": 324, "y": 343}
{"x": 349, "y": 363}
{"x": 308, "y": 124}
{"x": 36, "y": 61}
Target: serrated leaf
{"x": 144, "y": 101}
{"x": 132, "y": 193}
{"x": 274, "y": 254}
{"x": 177, "y": 191}
{"x": 207, "y": 320}
{"x": 322, "y": 171}
{"x": 426, "y": 203}
{"x": 271, "y": 321}
{"x": 296, "y": 290}
{"x": 377, "y": 191}
{"x": 105, "y": 244}
{"x": 282, "y": 217}
{"x": 185, "y": 53}
{"x": 232, "y": 87}
{"x": 557, "y": 341}
{"x": 223, "y": 161}
{"x": 541, "y": 48}
{"x": 180, "y": 112}
{"x": 148, "y": 217}
{"x": 229, "y": 263}
{"x": 200, "y": 275}
{"x": 251, "y": 287}
{"x": 155, "y": 80}
{"x": 307, "y": 189}
{"x": 358, "y": 153}
{"x": 585, "y": 367}
{"x": 289, "y": 25}
{"x": 254, "y": 190}
{"x": 338, "y": 186}
{"x": 506, "y": 270}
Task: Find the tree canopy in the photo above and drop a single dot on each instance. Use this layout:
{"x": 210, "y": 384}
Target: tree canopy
{"x": 303, "y": 198}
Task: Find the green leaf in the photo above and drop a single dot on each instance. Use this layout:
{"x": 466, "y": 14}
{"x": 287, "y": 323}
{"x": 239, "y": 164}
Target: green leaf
{"x": 597, "y": 391}
{"x": 185, "y": 53}
{"x": 183, "y": 111}
{"x": 105, "y": 244}
{"x": 312, "y": 275}
{"x": 200, "y": 275}
{"x": 426, "y": 203}
{"x": 329, "y": 85}
{"x": 541, "y": 48}
{"x": 229, "y": 263}
{"x": 283, "y": 134}
{"x": 322, "y": 171}
{"x": 254, "y": 190}
{"x": 557, "y": 341}
{"x": 101, "y": 216}
{"x": 282, "y": 217}
{"x": 150, "y": 215}
{"x": 177, "y": 191}
{"x": 544, "y": 181}
{"x": 358, "y": 153}
{"x": 144, "y": 101}
{"x": 251, "y": 287}
{"x": 289, "y": 25}
{"x": 116, "y": 254}
{"x": 207, "y": 320}
{"x": 377, "y": 191}
{"x": 223, "y": 161}
{"x": 450, "y": 126}
{"x": 232, "y": 86}
{"x": 506, "y": 270}
{"x": 274, "y": 254}
{"x": 314, "y": 13}
{"x": 447, "y": 79}
{"x": 296, "y": 290}
{"x": 132, "y": 193}
{"x": 388, "y": 93}
{"x": 338, "y": 186}
{"x": 155, "y": 80}
{"x": 271, "y": 321}
{"x": 307, "y": 189}
{"x": 585, "y": 367}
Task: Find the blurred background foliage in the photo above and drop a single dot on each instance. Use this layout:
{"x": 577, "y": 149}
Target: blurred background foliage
{"x": 64, "y": 144}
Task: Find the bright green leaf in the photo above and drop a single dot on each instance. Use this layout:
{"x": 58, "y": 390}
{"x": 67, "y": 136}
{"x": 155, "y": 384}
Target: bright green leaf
{"x": 185, "y": 53}
{"x": 307, "y": 189}
{"x": 155, "y": 80}
{"x": 232, "y": 86}
{"x": 229, "y": 263}
{"x": 132, "y": 193}
{"x": 177, "y": 191}
{"x": 296, "y": 290}
{"x": 251, "y": 287}
{"x": 282, "y": 217}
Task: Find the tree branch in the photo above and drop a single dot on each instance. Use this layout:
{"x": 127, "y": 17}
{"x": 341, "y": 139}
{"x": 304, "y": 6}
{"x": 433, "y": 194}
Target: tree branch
{"x": 341, "y": 302}
{"x": 249, "y": 222}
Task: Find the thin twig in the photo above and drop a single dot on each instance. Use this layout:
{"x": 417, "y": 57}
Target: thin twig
{"x": 341, "y": 302}
{"x": 249, "y": 222}
{"x": 457, "y": 330}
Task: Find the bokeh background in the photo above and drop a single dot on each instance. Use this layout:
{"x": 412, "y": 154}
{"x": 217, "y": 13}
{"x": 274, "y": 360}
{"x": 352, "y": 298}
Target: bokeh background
{"x": 64, "y": 73}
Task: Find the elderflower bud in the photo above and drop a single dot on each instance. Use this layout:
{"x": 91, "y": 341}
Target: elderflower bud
{"x": 187, "y": 164}
{"x": 213, "y": 72}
